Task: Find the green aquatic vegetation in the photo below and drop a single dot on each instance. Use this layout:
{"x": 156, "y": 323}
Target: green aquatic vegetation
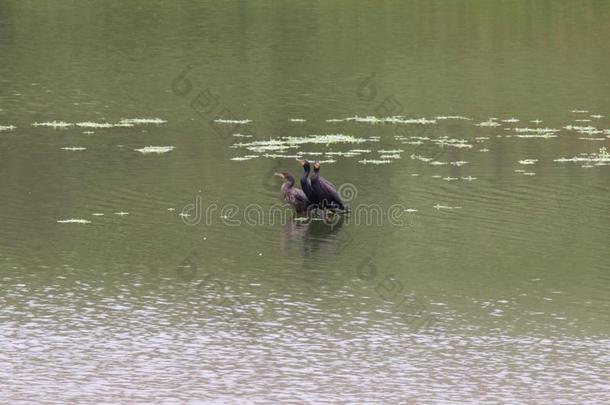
{"x": 398, "y": 119}
{"x": 53, "y": 124}
{"x": 155, "y": 149}
{"x": 374, "y": 161}
{"x": 602, "y": 157}
{"x": 73, "y": 148}
{"x": 228, "y": 121}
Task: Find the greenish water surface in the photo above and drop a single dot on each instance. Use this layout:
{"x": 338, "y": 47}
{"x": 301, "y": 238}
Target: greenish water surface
{"x": 485, "y": 277}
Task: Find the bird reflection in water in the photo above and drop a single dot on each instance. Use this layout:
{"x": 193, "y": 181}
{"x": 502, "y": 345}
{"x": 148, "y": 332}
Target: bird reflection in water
{"x": 315, "y": 237}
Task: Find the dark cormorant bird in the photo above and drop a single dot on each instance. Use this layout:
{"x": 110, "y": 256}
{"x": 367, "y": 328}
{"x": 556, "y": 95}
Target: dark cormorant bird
{"x": 293, "y": 195}
{"x": 306, "y": 184}
{"x": 324, "y": 191}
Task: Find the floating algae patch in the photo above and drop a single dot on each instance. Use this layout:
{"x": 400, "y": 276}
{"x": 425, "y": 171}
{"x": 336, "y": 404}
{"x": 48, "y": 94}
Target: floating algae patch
{"x": 230, "y": 121}
{"x": 458, "y": 163}
{"x": 374, "y": 161}
{"x": 601, "y": 158}
{"x": 541, "y": 136}
{"x": 420, "y": 158}
{"x": 398, "y": 119}
{"x": 102, "y": 125}
{"x": 244, "y": 158}
{"x": 53, "y": 124}
{"x": 279, "y": 156}
{"x": 489, "y": 123}
{"x": 445, "y": 207}
{"x": 73, "y": 221}
{"x": 264, "y": 146}
{"x": 338, "y": 153}
{"x": 585, "y": 130}
{"x": 452, "y": 117}
{"x": 136, "y": 121}
{"x": 74, "y": 148}
{"x": 543, "y": 133}
{"x": 155, "y": 149}
{"x": 535, "y": 130}
{"x": 327, "y": 139}
{"x": 289, "y": 142}
{"x": 455, "y": 143}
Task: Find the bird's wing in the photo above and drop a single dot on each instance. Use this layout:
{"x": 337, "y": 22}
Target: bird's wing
{"x": 295, "y": 196}
{"x": 323, "y": 180}
{"x": 330, "y": 190}
{"x": 300, "y": 196}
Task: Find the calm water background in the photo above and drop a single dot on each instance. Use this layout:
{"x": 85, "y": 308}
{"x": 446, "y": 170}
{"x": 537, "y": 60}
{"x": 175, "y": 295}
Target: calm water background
{"x": 143, "y": 307}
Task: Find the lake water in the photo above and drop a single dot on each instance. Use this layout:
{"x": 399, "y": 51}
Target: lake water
{"x": 141, "y": 259}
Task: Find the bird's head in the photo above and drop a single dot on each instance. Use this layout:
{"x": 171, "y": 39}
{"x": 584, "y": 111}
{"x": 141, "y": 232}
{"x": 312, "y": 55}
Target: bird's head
{"x": 304, "y": 163}
{"x": 316, "y": 166}
{"x": 285, "y": 176}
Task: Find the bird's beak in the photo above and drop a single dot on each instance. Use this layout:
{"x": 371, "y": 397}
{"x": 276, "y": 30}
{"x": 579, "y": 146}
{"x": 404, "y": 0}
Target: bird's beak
{"x": 301, "y": 162}
{"x": 279, "y": 175}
